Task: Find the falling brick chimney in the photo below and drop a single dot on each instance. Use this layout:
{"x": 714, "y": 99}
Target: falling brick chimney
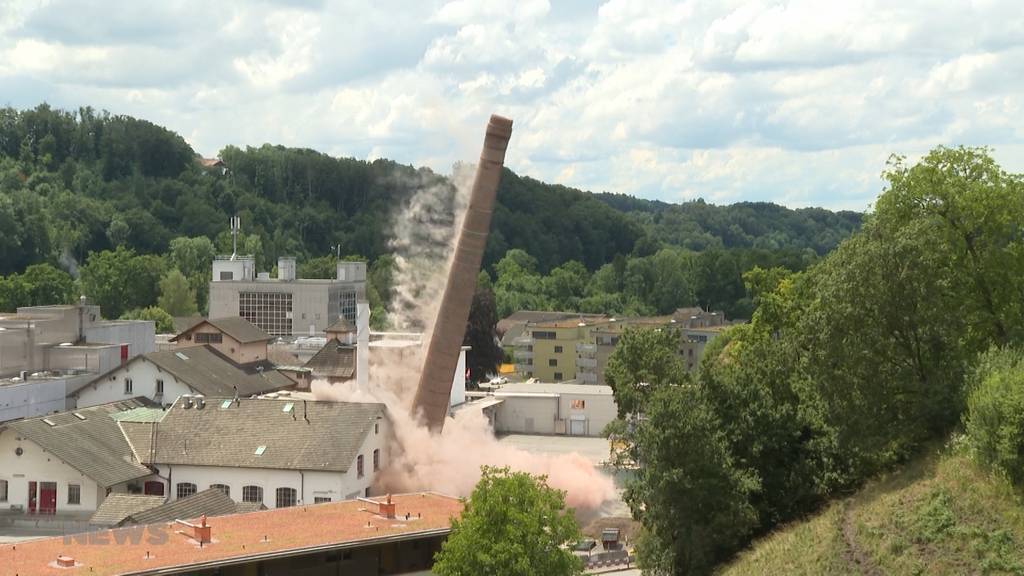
{"x": 435, "y": 385}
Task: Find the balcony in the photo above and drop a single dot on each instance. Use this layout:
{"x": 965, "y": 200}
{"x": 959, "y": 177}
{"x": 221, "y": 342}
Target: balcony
{"x": 586, "y": 348}
{"x": 587, "y": 377}
{"x": 523, "y": 341}
{"x": 583, "y": 362}
{"x": 523, "y": 355}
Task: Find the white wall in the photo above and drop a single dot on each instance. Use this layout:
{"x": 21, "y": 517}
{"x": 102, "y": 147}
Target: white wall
{"x": 308, "y": 485}
{"x": 37, "y": 465}
{"x": 513, "y": 413}
{"x": 144, "y": 374}
{"x": 139, "y": 335}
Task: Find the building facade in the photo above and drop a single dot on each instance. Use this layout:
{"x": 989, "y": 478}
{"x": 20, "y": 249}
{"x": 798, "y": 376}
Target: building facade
{"x": 286, "y": 305}
{"x": 543, "y": 408}
{"x": 578, "y": 349}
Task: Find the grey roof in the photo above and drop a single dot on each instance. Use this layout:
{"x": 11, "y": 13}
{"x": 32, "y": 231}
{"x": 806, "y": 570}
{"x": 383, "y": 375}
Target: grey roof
{"x": 184, "y": 323}
{"x": 342, "y": 324}
{"x": 310, "y": 435}
{"x": 334, "y": 360}
{"x": 235, "y": 326}
{"x": 211, "y": 502}
{"x": 210, "y": 373}
{"x": 93, "y": 444}
{"x": 118, "y": 507}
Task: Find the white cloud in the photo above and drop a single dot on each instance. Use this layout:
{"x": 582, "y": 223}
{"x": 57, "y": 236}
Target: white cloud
{"x": 796, "y": 101}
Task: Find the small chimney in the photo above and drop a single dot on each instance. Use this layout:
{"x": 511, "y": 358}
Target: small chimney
{"x": 65, "y": 561}
{"x": 387, "y": 508}
{"x": 186, "y": 401}
{"x": 200, "y": 401}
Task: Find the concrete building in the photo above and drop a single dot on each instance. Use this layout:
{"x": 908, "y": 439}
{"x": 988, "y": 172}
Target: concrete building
{"x": 275, "y": 452}
{"x": 163, "y": 376}
{"x": 397, "y": 534}
{"x": 234, "y": 337}
{"x": 66, "y": 464}
{"x": 542, "y": 408}
{"x": 286, "y": 305}
{"x": 48, "y": 351}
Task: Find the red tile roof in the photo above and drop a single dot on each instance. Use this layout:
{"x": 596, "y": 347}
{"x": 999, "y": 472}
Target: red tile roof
{"x": 236, "y": 538}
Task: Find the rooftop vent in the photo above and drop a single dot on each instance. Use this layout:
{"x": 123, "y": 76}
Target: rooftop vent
{"x": 50, "y": 422}
{"x": 65, "y": 561}
{"x": 79, "y": 416}
{"x": 186, "y": 401}
{"x": 200, "y": 401}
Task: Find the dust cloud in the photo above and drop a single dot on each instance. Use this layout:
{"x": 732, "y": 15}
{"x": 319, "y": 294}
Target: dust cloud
{"x": 424, "y": 233}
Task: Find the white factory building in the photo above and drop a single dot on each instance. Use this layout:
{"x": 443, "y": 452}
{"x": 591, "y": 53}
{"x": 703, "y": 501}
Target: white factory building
{"x": 542, "y": 408}
{"x": 48, "y": 351}
{"x": 265, "y": 452}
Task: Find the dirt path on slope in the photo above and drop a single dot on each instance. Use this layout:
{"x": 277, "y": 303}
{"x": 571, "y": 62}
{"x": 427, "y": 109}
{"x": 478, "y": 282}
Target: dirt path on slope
{"x": 857, "y": 560}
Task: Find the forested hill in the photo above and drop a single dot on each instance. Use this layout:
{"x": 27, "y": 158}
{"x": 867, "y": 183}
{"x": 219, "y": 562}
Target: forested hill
{"x": 74, "y": 183}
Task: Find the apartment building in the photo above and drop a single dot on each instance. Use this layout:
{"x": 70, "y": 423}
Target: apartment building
{"x": 578, "y": 349}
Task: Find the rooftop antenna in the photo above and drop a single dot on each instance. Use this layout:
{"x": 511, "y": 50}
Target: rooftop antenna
{"x": 236, "y": 226}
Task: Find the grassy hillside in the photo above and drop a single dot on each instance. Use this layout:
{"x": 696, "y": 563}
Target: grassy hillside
{"x": 939, "y": 514}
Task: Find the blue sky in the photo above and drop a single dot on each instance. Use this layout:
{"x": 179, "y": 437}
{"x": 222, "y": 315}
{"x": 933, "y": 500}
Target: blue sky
{"x": 799, "y": 102}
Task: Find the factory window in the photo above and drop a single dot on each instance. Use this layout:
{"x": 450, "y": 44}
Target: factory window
{"x": 359, "y": 466}
{"x": 223, "y": 488}
{"x": 127, "y": 385}
{"x": 552, "y": 361}
{"x": 270, "y": 311}
{"x": 578, "y": 404}
{"x": 376, "y": 459}
{"x": 286, "y": 497}
{"x": 348, "y": 305}
{"x": 558, "y": 376}
{"x": 252, "y": 494}
{"x": 186, "y": 489}
{"x": 3, "y": 490}
{"x": 321, "y": 499}
{"x": 558, "y": 349}
{"x": 159, "y": 387}
{"x": 227, "y": 275}
{"x": 74, "y": 494}
{"x": 204, "y": 338}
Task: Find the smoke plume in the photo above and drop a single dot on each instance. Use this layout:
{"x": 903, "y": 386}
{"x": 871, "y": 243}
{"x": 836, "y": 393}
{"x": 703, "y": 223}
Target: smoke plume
{"x": 424, "y": 233}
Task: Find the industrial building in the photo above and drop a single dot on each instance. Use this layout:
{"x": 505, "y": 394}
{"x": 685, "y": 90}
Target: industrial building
{"x": 48, "y": 351}
{"x": 546, "y": 408}
{"x": 285, "y": 305}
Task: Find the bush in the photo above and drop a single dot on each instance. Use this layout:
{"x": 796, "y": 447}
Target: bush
{"x": 995, "y": 412}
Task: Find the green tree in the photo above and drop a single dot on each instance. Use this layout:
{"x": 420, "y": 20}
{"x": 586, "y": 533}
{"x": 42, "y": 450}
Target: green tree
{"x": 513, "y": 525}
{"x": 176, "y": 296}
{"x": 485, "y": 354}
{"x": 643, "y": 360}
{"x": 48, "y": 285}
{"x": 324, "y": 267}
{"x": 689, "y": 494}
{"x": 163, "y": 321}
{"x": 995, "y": 412}
{"x": 14, "y": 292}
{"x": 119, "y": 280}
{"x": 118, "y": 231}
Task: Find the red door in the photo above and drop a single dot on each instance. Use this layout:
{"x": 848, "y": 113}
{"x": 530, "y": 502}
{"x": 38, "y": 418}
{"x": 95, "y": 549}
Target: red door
{"x": 47, "y": 497}
{"x": 31, "y": 497}
{"x": 154, "y": 488}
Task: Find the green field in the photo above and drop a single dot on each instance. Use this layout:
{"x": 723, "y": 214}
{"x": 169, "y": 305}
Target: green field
{"x": 939, "y": 514}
